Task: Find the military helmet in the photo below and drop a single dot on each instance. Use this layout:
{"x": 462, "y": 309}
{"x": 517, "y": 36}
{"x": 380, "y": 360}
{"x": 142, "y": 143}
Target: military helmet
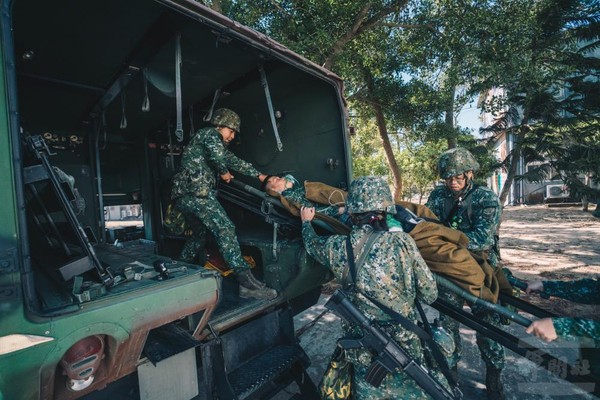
{"x": 370, "y": 193}
{"x": 455, "y": 162}
{"x": 226, "y": 117}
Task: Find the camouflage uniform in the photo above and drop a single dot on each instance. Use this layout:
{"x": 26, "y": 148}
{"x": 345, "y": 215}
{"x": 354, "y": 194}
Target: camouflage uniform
{"x": 570, "y": 328}
{"x": 297, "y": 194}
{"x": 585, "y": 291}
{"x": 205, "y": 157}
{"x": 393, "y": 273}
{"x": 578, "y": 329}
{"x": 477, "y": 216}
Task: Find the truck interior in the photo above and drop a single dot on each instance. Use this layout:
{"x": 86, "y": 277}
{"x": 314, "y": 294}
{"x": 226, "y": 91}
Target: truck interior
{"x": 104, "y": 98}
{"x": 117, "y": 98}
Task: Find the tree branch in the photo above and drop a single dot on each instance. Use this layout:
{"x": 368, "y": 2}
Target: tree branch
{"x": 348, "y": 36}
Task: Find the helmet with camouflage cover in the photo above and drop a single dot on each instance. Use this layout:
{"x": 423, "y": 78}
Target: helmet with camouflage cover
{"x": 370, "y": 193}
{"x": 226, "y": 117}
{"x": 456, "y": 161}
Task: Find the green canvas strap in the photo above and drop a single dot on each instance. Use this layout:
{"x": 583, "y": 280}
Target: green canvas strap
{"x": 265, "y": 85}
{"x": 353, "y": 267}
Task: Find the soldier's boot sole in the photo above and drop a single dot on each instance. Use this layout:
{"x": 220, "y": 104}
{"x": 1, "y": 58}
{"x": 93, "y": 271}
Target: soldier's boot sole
{"x": 262, "y": 293}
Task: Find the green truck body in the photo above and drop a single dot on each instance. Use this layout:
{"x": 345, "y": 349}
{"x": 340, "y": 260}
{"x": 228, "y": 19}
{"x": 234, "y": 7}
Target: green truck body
{"x": 94, "y": 114}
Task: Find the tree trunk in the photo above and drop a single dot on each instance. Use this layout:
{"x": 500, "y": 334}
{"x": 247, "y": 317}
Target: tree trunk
{"x": 449, "y": 120}
{"x": 517, "y": 151}
{"x": 215, "y": 5}
{"x": 515, "y": 158}
{"x": 385, "y": 140}
{"x": 339, "y": 45}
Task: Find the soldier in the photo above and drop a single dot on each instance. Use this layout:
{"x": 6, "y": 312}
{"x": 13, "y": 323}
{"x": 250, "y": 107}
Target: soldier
{"x": 586, "y": 291}
{"x": 393, "y": 273}
{"x": 289, "y": 187}
{"x": 474, "y": 210}
{"x": 193, "y": 192}
{"x": 549, "y": 329}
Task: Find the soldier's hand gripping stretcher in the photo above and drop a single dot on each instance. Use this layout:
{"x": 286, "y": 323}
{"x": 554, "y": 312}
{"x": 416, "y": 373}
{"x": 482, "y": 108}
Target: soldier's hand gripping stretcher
{"x": 528, "y": 287}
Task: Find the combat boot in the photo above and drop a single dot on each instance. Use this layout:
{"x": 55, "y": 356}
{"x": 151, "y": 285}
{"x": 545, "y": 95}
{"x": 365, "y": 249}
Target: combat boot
{"x": 250, "y": 287}
{"x": 493, "y": 384}
{"x": 256, "y": 281}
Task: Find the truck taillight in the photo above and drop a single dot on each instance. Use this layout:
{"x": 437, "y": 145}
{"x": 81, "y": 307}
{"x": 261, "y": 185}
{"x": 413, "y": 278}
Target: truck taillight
{"x": 81, "y": 361}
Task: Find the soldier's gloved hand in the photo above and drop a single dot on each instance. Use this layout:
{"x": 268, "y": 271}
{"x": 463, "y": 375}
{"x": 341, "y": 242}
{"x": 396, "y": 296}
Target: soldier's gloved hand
{"x": 227, "y": 177}
{"x": 534, "y": 286}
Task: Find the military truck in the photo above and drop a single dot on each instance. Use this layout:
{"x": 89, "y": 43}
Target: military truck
{"x": 99, "y": 98}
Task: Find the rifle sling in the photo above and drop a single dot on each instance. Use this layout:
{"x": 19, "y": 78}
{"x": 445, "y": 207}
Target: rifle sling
{"x": 365, "y": 244}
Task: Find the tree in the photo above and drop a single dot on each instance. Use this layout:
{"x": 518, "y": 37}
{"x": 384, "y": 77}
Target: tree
{"x": 351, "y": 38}
{"x": 550, "y": 83}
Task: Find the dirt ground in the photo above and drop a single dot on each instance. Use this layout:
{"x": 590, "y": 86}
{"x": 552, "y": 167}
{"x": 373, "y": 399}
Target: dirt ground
{"x": 537, "y": 242}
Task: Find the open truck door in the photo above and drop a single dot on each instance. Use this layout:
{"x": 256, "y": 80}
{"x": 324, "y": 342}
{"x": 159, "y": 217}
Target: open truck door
{"x": 98, "y": 101}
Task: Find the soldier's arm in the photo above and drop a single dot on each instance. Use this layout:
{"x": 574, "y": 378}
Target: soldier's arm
{"x": 571, "y": 328}
{"x": 331, "y": 211}
{"x": 216, "y": 152}
{"x": 485, "y": 219}
{"x": 435, "y": 204}
{"x": 317, "y": 246}
{"x": 239, "y": 165}
{"x": 297, "y": 195}
{"x": 585, "y": 291}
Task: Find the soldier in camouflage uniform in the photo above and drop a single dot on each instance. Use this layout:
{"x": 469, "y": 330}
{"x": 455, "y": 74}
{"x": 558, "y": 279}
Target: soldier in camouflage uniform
{"x": 205, "y": 157}
{"x": 474, "y": 210}
{"x": 585, "y": 291}
{"x": 289, "y": 187}
{"x": 549, "y": 329}
{"x": 393, "y": 273}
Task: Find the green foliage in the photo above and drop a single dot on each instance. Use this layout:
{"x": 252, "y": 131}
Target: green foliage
{"x": 367, "y": 154}
{"x": 426, "y": 58}
{"x": 550, "y": 100}
{"x": 418, "y": 161}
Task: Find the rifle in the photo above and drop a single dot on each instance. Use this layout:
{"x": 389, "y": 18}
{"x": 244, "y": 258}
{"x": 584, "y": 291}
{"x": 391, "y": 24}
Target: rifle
{"x": 390, "y": 357}
{"x": 519, "y": 283}
{"x": 41, "y": 151}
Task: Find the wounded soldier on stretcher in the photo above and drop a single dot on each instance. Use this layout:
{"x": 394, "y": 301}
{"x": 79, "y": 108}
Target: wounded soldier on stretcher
{"x": 444, "y": 249}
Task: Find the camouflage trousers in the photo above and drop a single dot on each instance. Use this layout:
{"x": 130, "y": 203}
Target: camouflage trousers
{"x": 206, "y": 213}
{"x": 492, "y": 352}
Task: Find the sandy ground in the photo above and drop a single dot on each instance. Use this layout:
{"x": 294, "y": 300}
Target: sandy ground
{"x": 537, "y": 242}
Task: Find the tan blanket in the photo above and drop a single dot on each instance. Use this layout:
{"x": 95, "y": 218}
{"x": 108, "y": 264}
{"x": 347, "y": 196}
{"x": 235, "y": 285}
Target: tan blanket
{"x": 445, "y": 251}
